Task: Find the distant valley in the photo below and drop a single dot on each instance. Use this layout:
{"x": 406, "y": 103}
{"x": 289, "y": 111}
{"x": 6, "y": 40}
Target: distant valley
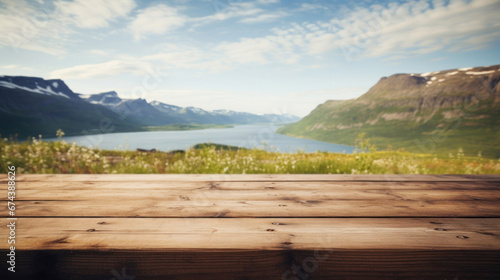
{"x": 31, "y": 106}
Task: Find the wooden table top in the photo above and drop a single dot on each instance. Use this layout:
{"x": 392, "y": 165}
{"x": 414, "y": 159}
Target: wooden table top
{"x": 255, "y": 227}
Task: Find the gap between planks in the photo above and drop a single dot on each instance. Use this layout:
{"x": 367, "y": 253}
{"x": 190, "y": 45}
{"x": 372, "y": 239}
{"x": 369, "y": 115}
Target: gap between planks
{"x": 253, "y": 177}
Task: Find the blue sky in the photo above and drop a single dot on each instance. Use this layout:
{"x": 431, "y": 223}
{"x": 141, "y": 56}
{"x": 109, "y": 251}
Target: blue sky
{"x": 260, "y": 56}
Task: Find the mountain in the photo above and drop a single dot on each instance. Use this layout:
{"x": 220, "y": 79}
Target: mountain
{"x": 435, "y": 112}
{"x": 138, "y": 109}
{"x": 30, "y": 106}
{"x": 54, "y": 87}
{"x": 157, "y": 113}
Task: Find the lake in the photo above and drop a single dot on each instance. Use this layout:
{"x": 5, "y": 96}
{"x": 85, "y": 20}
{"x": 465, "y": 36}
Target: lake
{"x": 247, "y": 136}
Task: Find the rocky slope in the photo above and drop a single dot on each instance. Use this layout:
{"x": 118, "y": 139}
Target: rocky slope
{"x": 431, "y": 112}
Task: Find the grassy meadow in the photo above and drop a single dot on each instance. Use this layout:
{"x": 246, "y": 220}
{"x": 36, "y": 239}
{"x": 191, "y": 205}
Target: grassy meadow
{"x": 38, "y": 156}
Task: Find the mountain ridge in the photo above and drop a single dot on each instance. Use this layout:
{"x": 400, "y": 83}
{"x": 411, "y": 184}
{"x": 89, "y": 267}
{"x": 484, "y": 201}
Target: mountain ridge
{"x": 438, "y": 111}
{"x": 30, "y": 106}
{"x": 28, "y": 112}
{"x": 179, "y": 115}
{"x": 38, "y": 85}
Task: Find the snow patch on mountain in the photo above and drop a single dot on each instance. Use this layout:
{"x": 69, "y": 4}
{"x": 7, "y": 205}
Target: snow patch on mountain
{"x": 479, "y": 73}
{"x": 38, "y": 89}
{"x": 429, "y": 73}
{"x": 165, "y": 106}
{"x": 196, "y": 110}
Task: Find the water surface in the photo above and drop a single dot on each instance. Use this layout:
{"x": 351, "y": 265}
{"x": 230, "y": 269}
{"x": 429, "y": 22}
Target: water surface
{"x": 248, "y": 136}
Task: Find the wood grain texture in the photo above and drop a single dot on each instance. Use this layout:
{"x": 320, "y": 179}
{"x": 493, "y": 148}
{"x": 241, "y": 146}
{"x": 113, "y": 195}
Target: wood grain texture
{"x": 249, "y": 264}
{"x": 129, "y": 198}
{"x": 257, "y": 264}
{"x": 256, "y": 233}
{"x": 254, "y": 208}
{"x": 256, "y": 227}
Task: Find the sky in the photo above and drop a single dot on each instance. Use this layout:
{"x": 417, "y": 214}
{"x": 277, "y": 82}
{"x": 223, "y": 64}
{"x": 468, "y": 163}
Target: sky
{"x": 258, "y": 56}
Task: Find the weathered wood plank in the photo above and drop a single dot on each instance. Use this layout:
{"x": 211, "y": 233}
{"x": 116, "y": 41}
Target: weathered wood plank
{"x": 137, "y": 186}
{"x": 169, "y": 227}
{"x": 255, "y": 234}
{"x": 258, "y": 199}
{"x": 248, "y": 208}
{"x": 318, "y": 196}
{"x": 256, "y": 264}
{"x": 251, "y": 177}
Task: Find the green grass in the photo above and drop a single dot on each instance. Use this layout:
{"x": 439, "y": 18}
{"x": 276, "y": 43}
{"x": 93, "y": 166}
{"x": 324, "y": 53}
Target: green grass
{"x": 436, "y": 135}
{"x": 185, "y": 127}
{"x": 217, "y": 147}
{"x": 37, "y": 156}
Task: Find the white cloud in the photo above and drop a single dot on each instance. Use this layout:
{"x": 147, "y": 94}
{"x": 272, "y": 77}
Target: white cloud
{"x": 308, "y": 7}
{"x": 268, "y": 1}
{"x": 115, "y": 67}
{"x": 189, "y": 57}
{"x": 98, "y": 52}
{"x": 417, "y": 27}
{"x": 94, "y": 13}
{"x": 262, "y": 50}
{"x": 10, "y": 66}
{"x": 169, "y": 57}
{"x": 264, "y": 17}
{"x": 319, "y": 43}
{"x": 27, "y": 26}
{"x": 43, "y": 28}
{"x": 16, "y": 67}
{"x": 15, "y": 70}
{"x": 247, "y": 11}
{"x": 397, "y": 30}
{"x": 156, "y": 20}
{"x": 229, "y": 11}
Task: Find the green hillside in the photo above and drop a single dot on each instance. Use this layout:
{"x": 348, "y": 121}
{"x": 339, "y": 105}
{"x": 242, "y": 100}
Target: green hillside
{"x": 435, "y": 112}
